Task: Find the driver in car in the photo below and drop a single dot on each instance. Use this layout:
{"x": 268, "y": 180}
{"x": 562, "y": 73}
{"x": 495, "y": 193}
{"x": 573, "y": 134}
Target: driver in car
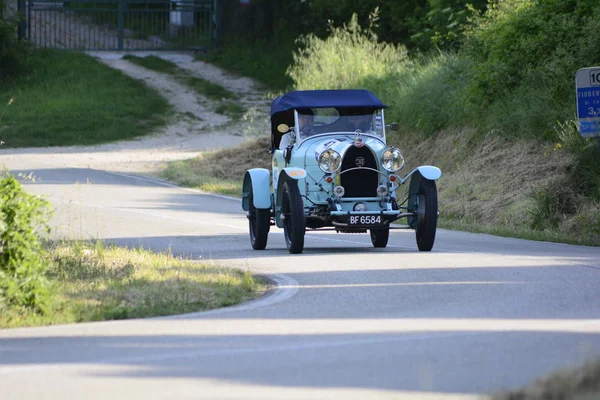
{"x": 306, "y": 118}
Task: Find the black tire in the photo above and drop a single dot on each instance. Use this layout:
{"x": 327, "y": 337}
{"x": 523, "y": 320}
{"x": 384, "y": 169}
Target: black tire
{"x": 294, "y": 221}
{"x": 379, "y": 237}
{"x": 427, "y": 213}
{"x": 259, "y": 223}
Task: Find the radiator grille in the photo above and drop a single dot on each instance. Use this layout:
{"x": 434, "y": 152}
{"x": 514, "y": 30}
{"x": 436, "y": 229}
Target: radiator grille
{"x": 359, "y": 182}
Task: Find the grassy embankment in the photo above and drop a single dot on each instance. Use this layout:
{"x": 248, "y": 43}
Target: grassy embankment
{"x": 66, "y": 100}
{"x": 504, "y": 135}
{"x": 578, "y": 383}
{"x": 94, "y": 282}
{"x": 226, "y": 100}
{"x": 72, "y": 99}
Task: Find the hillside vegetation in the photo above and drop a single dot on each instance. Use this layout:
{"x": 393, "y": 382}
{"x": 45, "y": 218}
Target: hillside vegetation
{"x": 494, "y": 108}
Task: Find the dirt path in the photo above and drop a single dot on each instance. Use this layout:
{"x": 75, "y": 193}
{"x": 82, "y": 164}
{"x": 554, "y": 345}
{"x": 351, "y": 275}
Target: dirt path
{"x": 193, "y": 129}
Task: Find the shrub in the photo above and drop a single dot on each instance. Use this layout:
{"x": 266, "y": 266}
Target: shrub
{"x": 23, "y": 217}
{"x": 13, "y": 53}
{"x": 344, "y": 59}
{"x": 524, "y": 55}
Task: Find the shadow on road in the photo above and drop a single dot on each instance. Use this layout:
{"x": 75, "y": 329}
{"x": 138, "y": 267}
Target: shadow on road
{"x": 416, "y": 361}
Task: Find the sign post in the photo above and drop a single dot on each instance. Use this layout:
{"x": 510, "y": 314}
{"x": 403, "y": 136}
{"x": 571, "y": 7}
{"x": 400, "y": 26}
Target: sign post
{"x": 587, "y": 83}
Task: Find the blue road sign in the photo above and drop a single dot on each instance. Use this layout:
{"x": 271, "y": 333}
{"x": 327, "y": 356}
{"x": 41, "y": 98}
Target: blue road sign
{"x": 587, "y": 83}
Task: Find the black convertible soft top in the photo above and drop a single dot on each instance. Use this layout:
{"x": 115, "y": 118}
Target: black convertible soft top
{"x": 344, "y": 98}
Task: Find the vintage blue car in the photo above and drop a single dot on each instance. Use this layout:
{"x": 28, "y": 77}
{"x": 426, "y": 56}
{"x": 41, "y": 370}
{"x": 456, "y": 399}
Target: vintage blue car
{"x": 332, "y": 170}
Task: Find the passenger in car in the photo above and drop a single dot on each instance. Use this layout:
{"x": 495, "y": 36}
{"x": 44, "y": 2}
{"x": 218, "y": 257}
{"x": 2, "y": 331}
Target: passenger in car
{"x": 361, "y": 122}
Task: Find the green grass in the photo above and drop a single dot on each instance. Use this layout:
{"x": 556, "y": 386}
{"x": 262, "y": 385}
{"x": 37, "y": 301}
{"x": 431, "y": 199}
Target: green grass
{"x": 518, "y": 232}
{"x": 92, "y": 282}
{"x": 265, "y": 61}
{"x": 209, "y": 89}
{"x": 154, "y": 63}
{"x": 73, "y": 99}
{"x": 232, "y": 110}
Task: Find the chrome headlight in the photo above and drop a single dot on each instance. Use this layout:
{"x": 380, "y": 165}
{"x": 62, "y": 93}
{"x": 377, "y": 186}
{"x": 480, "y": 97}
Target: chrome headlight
{"x": 392, "y": 159}
{"x": 330, "y": 161}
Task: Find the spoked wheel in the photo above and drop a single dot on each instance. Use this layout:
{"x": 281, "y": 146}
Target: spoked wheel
{"x": 294, "y": 222}
{"x": 259, "y": 221}
{"x": 379, "y": 237}
{"x": 427, "y": 213}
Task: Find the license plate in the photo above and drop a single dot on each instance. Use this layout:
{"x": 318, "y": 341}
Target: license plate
{"x": 364, "y": 220}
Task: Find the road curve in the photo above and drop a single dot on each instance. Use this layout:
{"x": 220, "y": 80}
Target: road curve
{"x": 476, "y": 315}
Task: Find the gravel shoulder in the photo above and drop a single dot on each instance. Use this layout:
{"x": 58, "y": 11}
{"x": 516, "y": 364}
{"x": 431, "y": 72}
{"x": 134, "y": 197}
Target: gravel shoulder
{"x": 193, "y": 128}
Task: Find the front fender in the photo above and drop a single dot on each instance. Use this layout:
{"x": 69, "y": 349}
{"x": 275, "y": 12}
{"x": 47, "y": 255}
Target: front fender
{"x": 286, "y": 174}
{"x": 428, "y": 172}
{"x": 425, "y": 171}
{"x": 257, "y": 180}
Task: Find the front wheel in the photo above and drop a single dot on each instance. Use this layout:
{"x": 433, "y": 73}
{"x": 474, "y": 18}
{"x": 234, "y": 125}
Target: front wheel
{"x": 427, "y": 213}
{"x": 379, "y": 237}
{"x": 294, "y": 221}
{"x": 259, "y": 221}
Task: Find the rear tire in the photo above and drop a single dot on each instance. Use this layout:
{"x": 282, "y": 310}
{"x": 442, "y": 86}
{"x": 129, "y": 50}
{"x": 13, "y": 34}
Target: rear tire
{"x": 379, "y": 237}
{"x": 259, "y": 222}
{"x": 427, "y": 213}
{"x": 294, "y": 221}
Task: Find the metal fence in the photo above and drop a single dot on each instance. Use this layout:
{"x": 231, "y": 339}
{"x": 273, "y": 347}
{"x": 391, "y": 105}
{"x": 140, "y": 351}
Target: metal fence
{"x": 121, "y": 24}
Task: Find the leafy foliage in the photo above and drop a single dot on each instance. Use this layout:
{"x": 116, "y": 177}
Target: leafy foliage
{"x": 532, "y": 46}
{"x": 13, "y": 53}
{"x": 418, "y": 24}
{"x": 23, "y": 217}
{"x": 512, "y": 80}
{"x": 348, "y": 56}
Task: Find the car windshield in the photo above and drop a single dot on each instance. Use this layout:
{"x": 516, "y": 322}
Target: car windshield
{"x": 316, "y": 121}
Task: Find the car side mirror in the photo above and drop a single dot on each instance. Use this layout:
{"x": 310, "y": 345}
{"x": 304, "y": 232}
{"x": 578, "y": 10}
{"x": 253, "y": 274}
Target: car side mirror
{"x": 283, "y": 128}
{"x": 394, "y": 127}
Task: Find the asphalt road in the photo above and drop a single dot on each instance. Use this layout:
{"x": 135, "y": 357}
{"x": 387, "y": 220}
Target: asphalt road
{"x": 476, "y": 315}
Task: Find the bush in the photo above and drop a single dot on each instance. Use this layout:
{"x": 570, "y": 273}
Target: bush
{"x": 424, "y": 93}
{"x": 13, "y": 53}
{"x": 524, "y": 55}
{"x": 23, "y": 217}
{"x": 345, "y": 59}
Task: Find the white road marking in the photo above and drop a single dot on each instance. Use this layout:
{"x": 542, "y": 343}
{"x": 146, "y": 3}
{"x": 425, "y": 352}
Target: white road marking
{"x": 286, "y": 287}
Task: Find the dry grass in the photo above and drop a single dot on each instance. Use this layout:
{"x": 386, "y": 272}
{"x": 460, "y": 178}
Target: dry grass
{"x": 581, "y": 383}
{"x": 221, "y": 171}
{"x": 489, "y": 181}
{"x": 93, "y": 282}
{"x": 490, "y": 184}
